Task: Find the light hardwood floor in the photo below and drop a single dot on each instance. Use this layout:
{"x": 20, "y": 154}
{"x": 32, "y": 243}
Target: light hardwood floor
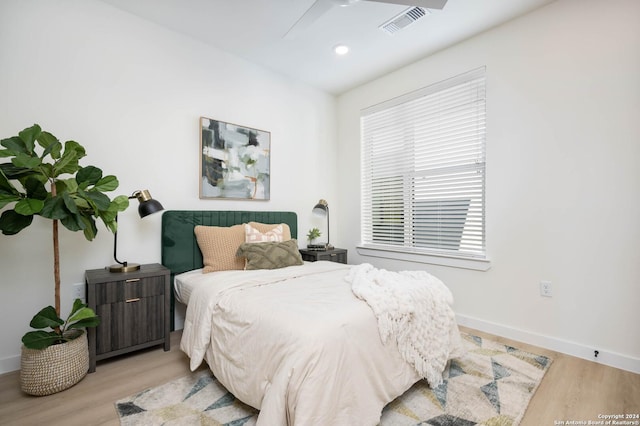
{"x": 572, "y": 389}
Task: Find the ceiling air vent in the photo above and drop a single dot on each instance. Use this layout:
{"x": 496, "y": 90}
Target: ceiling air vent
{"x": 403, "y": 20}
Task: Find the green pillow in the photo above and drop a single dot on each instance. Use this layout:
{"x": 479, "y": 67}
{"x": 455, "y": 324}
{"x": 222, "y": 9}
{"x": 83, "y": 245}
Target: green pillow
{"x": 272, "y": 255}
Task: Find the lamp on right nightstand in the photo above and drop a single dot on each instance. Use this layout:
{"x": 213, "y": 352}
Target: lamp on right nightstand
{"x": 322, "y": 209}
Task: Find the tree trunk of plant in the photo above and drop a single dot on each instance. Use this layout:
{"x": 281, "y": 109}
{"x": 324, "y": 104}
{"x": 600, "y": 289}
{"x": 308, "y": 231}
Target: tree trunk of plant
{"x": 56, "y": 265}
{"x": 56, "y": 257}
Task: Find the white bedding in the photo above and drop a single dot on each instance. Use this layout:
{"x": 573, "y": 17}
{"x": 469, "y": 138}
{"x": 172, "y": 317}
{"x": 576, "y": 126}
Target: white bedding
{"x": 294, "y": 343}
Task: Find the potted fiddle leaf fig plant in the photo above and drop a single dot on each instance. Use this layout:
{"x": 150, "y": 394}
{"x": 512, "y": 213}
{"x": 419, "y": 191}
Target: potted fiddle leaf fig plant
{"x": 43, "y": 177}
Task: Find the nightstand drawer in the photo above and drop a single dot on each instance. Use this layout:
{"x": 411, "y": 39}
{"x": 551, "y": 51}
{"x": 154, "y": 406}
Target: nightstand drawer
{"x": 134, "y": 288}
{"x": 332, "y": 255}
{"x": 117, "y": 329}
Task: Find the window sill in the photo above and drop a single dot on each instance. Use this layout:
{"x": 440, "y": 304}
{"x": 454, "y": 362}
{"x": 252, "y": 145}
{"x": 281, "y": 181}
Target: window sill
{"x": 408, "y": 256}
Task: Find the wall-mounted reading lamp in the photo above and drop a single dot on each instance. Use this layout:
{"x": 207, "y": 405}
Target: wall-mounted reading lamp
{"x": 147, "y": 206}
{"x": 322, "y": 209}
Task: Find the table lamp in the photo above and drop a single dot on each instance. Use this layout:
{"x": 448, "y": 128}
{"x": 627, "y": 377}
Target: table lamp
{"x": 147, "y": 206}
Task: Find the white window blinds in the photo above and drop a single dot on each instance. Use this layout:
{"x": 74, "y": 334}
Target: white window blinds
{"x": 423, "y": 170}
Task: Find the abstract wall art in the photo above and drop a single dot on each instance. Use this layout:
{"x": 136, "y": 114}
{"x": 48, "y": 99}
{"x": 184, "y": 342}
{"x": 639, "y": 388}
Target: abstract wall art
{"x": 235, "y": 161}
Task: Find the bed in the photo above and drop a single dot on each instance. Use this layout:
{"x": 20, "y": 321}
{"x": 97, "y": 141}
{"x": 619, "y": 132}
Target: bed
{"x": 294, "y": 342}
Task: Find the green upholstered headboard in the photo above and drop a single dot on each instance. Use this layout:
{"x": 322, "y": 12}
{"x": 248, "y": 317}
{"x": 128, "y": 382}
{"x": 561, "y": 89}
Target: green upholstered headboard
{"x": 180, "y": 252}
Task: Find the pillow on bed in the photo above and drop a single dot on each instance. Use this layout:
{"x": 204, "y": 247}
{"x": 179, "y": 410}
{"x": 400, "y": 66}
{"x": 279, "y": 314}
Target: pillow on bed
{"x": 270, "y": 255}
{"x": 266, "y": 227}
{"x": 253, "y": 235}
{"x": 219, "y": 245}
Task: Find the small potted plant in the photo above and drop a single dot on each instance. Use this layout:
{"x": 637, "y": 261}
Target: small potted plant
{"x": 312, "y": 235}
{"x": 44, "y": 178}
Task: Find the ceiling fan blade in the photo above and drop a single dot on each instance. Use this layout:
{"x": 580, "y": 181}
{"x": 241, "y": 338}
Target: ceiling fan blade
{"x": 427, "y": 4}
{"x": 316, "y": 10}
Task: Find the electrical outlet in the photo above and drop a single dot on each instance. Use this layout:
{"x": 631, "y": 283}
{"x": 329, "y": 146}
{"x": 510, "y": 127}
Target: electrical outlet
{"x": 79, "y": 292}
{"x": 545, "y": 289}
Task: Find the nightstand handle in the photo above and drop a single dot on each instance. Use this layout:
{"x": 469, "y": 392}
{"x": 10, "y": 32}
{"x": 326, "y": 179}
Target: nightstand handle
{"x": 137, "y": 299}
{"x": 132, "y": 280}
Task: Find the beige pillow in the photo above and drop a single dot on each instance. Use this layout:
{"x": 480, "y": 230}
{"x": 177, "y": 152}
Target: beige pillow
{"x": 270, "y": 255}
{"x": 266, "y": 227}
{"x": 219, "y": 246}
{"x": 252, "y": 235}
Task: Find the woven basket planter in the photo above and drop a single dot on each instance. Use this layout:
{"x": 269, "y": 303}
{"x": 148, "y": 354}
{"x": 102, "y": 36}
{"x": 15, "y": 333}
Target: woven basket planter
{"x": 54, "y": 369}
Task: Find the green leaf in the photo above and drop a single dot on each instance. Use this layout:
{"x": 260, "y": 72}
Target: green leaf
{"x": 11, "y": 222}
{"x": 70, "y": 185}
{"x": 13, "y": 172}
{"x": 121, "y": 202}
{"x": 107, "y": 183}
{"x": 118, "y": 204}
{"x": 70, "y": 203}
{"x": 72, "y": 222}
{"x": 46, "y": 318}
{"x": 85, "y": 322}
{"x": 40, "y": 339}
{"x": 29, "y": 136}
{"x": 15, "y": 145}
{"x": 26, "y": 161}
{"x": 51, "y": 145}
{"x": 6, "y": 153}
{"x": 68, "y": 162}
{"x": 87, "y": 176}
{"x": 77, "y": 305}
{"x": 7, "y": 199}
{"x": 76, "y": 147}
{"x": 90, "y": 229}
{"x": 29, "y": 206}
{"x": 6, "y": 186}
{"x": 81, "y": 313}
{"x": 35, "y": 188}
{"x": 81, "y": 203}
{"x": 108, "y": 216}
{"x": 111, "y": 225}
{"x": 46, "y": 170}
{"x": 54, "y": 208}
{"x": 98, "y": 199}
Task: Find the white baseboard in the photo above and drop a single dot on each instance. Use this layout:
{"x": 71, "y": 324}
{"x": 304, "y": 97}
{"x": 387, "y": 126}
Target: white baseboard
{"x": 9, "y": 364}
{"x": 578, "y": 350}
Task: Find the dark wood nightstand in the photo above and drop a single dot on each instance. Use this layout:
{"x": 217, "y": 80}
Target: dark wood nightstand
{"x": 334, "y": 255}
{"x": 134, "y": 310}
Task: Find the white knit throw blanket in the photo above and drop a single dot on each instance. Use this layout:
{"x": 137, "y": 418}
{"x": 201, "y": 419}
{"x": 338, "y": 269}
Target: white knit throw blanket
{"x": 414, "y": 308}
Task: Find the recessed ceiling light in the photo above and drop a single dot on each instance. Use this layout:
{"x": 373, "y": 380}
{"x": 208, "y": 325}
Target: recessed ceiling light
{"x": 341, "y": 49}
{"x": 344, "y": 3}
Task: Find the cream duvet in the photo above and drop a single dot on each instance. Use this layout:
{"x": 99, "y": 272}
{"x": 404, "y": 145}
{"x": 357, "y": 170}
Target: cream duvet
{"x": 294, "y": 343}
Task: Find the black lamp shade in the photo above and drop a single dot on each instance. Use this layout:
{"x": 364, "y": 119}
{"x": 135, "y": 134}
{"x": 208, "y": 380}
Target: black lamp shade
{"x": 321, "y": 208}
{"x": 147, "y": 204}
{"x": 149, "y": 207}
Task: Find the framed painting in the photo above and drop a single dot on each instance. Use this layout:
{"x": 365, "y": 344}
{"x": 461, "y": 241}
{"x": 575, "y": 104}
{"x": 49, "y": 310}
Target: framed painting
{"x": 235, "y": 161}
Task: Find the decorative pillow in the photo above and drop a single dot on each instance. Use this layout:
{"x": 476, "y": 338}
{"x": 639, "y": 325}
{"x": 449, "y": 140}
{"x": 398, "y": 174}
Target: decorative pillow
{"x": 252, "y": 235}
{"x": 266, "y": 227}
{"x": 219, "y": 245}
{"x": 270, "y": 255}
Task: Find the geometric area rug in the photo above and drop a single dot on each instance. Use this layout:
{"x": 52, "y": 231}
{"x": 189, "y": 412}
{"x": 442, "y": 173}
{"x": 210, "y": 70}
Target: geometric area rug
{"x": 491, "y": 385}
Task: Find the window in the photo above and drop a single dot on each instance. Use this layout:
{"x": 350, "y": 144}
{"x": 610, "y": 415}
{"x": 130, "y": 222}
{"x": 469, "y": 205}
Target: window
{"x": 423, "y": 170}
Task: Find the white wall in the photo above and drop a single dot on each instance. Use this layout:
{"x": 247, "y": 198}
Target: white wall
{"x": 563, "y": 176}
{"x": 131, "y": 93}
